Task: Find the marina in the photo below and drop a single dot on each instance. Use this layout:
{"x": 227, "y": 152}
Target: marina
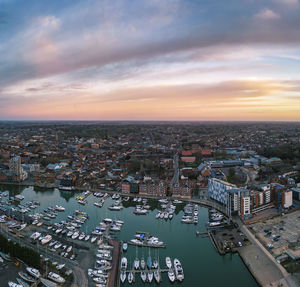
{"x": 181, "y": 239}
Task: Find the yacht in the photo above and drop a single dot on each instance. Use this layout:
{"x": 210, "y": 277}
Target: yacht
{"x": 171, "y": 275}
{"x": 123, "y": 263}
{"x": 26, "y": 277}
{"x": 115, "y": 207}
{"x": 178, "y": 270}
{"x": 81, "y": 236}
{"x": 123, "y": 276}
{"x": 59, "y": 208}
{"x": 33, "y": 272}
{"x": 214, "y": 223}
{"x": 150, "y": 276}
{"x": 57, "y": 245}
{"x": 100, "y": 280}
{"x": 35, "y": 235}
{"x": 94, "y": 238}
{"x": 157, "y": 276}
{"x": 143, "y": 276}
{"x": 75, "y": 235}
{"x": 46, "y": 239}
{"x": 99, "y": 273}
{"x": 155, "y": 264}
{"x": 13, "y": 284}
{"x": 168, "y": 262}
{"x": 125, "y": 246}
{"x": 61, "y": 266}
{"x": 22, "y": 282}
{"x": 56, "y": 278}
{"x": 130, "y": 277}
{"x": 136, "y": 263}
{"x": 70, "y": 233}
{"x": 87, "y": 237}
{"x": 143, "y": 263}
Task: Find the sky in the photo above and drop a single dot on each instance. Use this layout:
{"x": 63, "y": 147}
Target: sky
{"x": 233, "y": 60}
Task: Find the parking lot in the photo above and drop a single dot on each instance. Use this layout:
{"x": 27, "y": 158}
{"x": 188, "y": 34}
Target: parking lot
{"x": 230, "y": 238}
{"x": 280, "y": 234}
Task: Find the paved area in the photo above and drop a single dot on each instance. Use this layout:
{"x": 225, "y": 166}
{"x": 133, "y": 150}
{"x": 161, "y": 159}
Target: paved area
{"x": 263, "y": 265}
{"x": 282, "y": 232}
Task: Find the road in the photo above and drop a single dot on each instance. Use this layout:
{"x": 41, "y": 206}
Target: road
{"x": 175, "y": 178}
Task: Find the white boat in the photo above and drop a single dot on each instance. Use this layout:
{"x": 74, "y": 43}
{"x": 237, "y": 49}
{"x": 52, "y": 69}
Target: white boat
{"x": 171, "y": 275}
{"x": 123, "y": 276}
{"x": 155, "y": 264}
{"x": 115, "y": 207}
{"x": 99, "y": 273}
{"x": 123, "y": 263}
{"x": 125, "y": 246}
{"x": 26, "y": 277}
{"x": 13, "y": 284}
{"x": 75, "y": 235}
{"x": 35, "y": 235}
{"x": 61, "y": 266}
{"x": 57, "y": 245}
{"x": 100, "y": 280}
{"x": 46, "y": 239}
{"x": 136, "y": 263}
{"x": 56, "y": 278}
{"x": 214, "y": 223}
{"x": 178, "y": 270}
{"x": 150, "y": 276}
{"x": 70, "y": 233}
{"x": 94, "y": 238}
{"x": 143, "y": 263}
{"x": 130, "y": 277}
{"x": 33, "y": 272}
{"x": 143, "y": 276}
{"x": 81, "y": 236}
{"x": 168, "y": 262}
{"x": 87, "y": 237}
{"x": 157, "y": 276}
{"x": 59, "y": 208}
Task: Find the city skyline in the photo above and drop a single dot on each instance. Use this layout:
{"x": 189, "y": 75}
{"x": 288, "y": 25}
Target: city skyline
{"x": 150, "y": 60}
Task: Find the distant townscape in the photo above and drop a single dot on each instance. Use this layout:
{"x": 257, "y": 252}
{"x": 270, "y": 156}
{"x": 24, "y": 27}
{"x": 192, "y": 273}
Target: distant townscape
{"x": 247, "y": 174}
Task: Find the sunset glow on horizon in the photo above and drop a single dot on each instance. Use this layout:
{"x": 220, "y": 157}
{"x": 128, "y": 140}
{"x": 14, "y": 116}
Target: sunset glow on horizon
{"x": 150, "y": 60}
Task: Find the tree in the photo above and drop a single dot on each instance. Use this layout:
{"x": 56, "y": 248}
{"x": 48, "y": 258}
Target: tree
{"x": 231, "y": 175}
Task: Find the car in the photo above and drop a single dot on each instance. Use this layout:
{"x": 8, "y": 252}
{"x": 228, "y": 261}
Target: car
{"x": 240, "y": 244}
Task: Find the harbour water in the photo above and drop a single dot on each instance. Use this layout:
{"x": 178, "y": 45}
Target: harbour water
{"x": 202, "y": 265}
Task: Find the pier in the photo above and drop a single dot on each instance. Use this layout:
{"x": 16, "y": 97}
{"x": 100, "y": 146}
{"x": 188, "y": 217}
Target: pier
{"x": 114, "y": 272}
{"x": 146, "y": 245}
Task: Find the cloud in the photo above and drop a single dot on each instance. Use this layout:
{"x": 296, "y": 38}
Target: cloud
{"x": 267, "y": 14}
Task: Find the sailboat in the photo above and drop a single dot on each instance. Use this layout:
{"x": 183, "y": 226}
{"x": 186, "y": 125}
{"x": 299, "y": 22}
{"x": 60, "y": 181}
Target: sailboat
{"x": 143, "y": 263}
{"x": 149, "y": 261}
{"x": 143, "y": 276}
{"x": 136, "y": 263}
{"x": 130, "y": 277}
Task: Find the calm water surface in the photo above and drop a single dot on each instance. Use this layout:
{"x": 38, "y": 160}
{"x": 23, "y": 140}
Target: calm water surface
{"x": 201, "y": 263}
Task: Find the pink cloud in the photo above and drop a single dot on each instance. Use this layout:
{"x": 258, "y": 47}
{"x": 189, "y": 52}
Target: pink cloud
{"x": 267, "y": 14}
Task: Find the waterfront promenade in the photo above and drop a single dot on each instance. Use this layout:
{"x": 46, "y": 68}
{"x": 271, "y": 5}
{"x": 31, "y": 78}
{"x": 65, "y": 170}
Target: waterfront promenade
{"x": 263, "y": 265}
